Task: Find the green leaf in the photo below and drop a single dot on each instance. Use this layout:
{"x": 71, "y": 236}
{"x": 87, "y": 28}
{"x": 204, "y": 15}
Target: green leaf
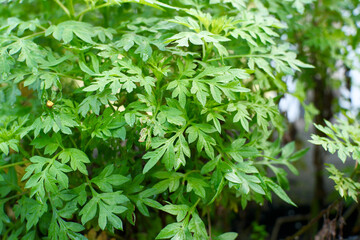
{"x": 183, "y": 38}
{"x": 65, "y": 31}
{"x": 153, "y": 157}
{"x": 179, "y": 210}
{"x": 106, "y": 180}
{"x": 29, "y": 52}
{"x": 297, "y": 155}
{"x": 197, "y": 185}
{"x": 90, "y": 103}
{"x": 169, "y": 231}
{"x": 197, "y": 226}
{"x": 76, "y": 157}
{"x": 88, "y": 212}
{"x": 280, "y": 192}
{"x": 227, "y": 236}
{"x": 288, "y": 149}
{"x": 4, "y": 148}
{"x": 106, "y": 213}
{"x": 129, "y": 40}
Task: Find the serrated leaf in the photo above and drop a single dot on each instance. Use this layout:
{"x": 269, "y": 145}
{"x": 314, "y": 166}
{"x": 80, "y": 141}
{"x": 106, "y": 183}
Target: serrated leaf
{"x": 153, "y": 157}
{"x": 76, "y": 157}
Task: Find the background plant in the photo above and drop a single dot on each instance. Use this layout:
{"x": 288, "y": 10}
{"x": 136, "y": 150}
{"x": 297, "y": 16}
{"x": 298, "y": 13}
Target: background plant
{"x": 326, "y": 36}
{"x": 342, "y": 138}
{"x": 120, "y": 113}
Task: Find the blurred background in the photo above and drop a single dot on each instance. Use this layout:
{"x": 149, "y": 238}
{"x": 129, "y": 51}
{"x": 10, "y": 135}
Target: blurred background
{"x": 326, "y": 36}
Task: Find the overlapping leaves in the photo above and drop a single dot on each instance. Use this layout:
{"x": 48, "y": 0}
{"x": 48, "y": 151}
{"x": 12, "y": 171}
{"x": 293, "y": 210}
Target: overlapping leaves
{"x": 164, "y": 117}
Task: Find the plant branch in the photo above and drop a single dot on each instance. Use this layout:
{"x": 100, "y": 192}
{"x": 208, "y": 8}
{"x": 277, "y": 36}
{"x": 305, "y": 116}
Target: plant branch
{"x": 314, "y": 220}
{"x": 240, "y": 56}
{"x": 63, "y": 8}
{"x": 15, "y": 196}
{"x": 73, "y": 142}
{"x": 13, "y": 164}
{"x": 209, "y": 223}
{"x": 71, "y": 7}
{"x": 89, "y": 9}
{"x": 33, "y": 35}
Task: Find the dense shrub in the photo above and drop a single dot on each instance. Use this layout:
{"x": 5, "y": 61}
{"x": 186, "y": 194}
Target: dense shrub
{"x": 127, "y": 112}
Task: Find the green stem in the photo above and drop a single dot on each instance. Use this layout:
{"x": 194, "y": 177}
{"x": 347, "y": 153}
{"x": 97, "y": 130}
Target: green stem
{"x": 209, "y": 222}
{"x": 94, "y": 193}
{"x": 52, "y": 161}
{"x": 169, "y": 6}
{"x": 23, "y": 152}
{"x": 188, "y": 173}
{"x": 13, "y": 164}
{"x": 87, "y": 144}
{"x": 271, "y": 158}
{"x": 191, "y": 211}
{"x": 203, "y": 51}
{"x": 54, "y": 157}
{"x": 112, "y": 107}
{"x": 33, "y": 35}
{"x": 55, "y": 212}
{"x": 71, "y": 8}
{"x": 63, "y": 8}
{"x": 73, "y": 142}
{"x": 15, "y": 196}
{"x": 41, "y": 27}
{"x": 81, "y": 14}
{"x": 239, "y": 56}
{"x": 8, "y": 231}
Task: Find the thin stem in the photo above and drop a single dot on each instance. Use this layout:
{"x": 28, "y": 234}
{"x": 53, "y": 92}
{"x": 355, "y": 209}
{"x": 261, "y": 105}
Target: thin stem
{"x": 112, "y": 107}
{"x": 81, "y": 14}
{"x": 54, "y": 157}
{"x": 203, "y": 51}
{"x": 15, "y": 196}
{"x": 314, "y": 220}
{"x": 33, "y": 149}
{"x": 33, "y": 35}
{"x": 209, "y": 223}
{"x": 87, "y": 144}
{"x": 188, "y": 173}
{"x": 191, "y": 210}
{"x": 271, "y": 158}
{"x": 22, "y": 151}
{"x": 71, "y": 8}
{"x": 239, "y": 56}
{"x": 169, "y": 6}
{"x": 63, "y": 8}
{"x": 13, "y": 164}
{"x": 41, "y": 27}
{"x": 7, "y": 232}
{"x": 94, "y": 193}
{"x": 73, "y": 142}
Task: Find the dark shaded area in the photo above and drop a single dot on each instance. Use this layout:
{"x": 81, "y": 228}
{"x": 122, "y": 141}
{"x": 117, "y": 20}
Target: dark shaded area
{"x": 283, "y": 221}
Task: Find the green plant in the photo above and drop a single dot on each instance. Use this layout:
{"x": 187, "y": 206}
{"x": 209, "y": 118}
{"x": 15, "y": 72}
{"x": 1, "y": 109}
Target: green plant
{"x": 325, "y": 36}
{"x": 114, "y": 112}
{"x": 258, "y": 232}
{"x": 343, "y": 138}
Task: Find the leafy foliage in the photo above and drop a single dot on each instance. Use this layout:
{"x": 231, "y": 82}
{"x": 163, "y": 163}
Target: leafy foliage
{"x": 344, "y": 139}
{"x": 115, "y": 111}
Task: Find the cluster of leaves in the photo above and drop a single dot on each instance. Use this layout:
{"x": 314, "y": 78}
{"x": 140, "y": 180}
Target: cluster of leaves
{"x": 114, "y": 111}
{"x": 327, "y": 36}
{"x": 343, "y": 138}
